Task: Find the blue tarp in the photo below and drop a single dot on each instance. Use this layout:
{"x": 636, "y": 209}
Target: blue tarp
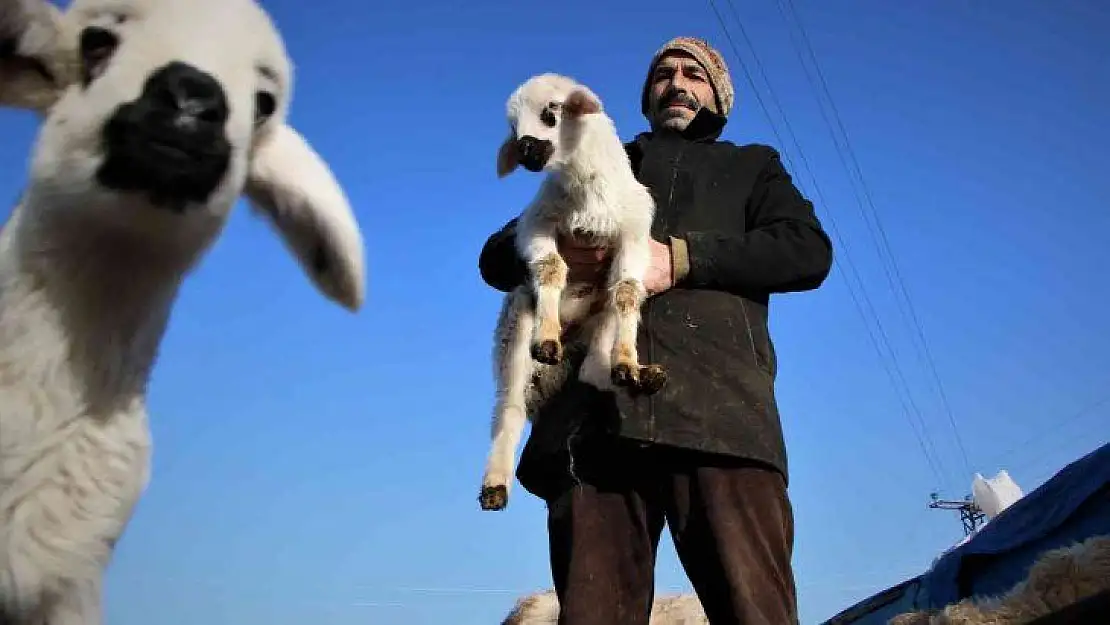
{"x": 1070, "y": 507}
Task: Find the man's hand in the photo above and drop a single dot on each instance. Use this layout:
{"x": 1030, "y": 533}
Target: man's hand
{"x": 660, "y": 273}
{"x": 585, "y": 263}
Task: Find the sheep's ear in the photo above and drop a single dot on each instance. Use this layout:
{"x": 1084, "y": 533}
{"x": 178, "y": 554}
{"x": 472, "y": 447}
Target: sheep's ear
{"x": 581, "y": 102}
{"x": 38, "y": 55}
{"x": 298, "y": 194}
{"x": 506, "y": 157}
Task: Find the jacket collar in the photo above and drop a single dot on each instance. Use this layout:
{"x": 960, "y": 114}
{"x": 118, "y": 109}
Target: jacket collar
{"x": 706, "y": 127}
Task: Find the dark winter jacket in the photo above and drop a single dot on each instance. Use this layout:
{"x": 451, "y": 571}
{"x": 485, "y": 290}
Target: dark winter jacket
{"x": 740, "y": 231}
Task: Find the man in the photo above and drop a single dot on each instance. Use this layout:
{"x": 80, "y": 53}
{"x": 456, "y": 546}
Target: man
{"x": 705, "y": 455}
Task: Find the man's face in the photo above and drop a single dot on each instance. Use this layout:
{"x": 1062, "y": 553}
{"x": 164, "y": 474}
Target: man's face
{"x": 679, "y": 88}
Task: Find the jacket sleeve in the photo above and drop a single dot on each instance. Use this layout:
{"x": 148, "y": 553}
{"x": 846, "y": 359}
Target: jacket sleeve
{"x": 784, "y": 248}
{"x": 499, "y": 263}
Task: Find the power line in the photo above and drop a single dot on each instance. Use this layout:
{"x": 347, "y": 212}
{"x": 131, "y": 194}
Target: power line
{"x": 896, "y": 281}
{"x": 1055, "y": 426}
{"x": 923, "y": 439}
{"x": 805, "y": 162}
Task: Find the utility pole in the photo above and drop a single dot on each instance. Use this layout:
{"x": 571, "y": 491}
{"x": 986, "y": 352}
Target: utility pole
{"x": 970, "y": 514}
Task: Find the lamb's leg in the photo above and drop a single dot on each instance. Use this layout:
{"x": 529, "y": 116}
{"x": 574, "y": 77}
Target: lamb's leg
{"x": 627, "y": 296}
{"x": 549, "y": 276}
{"x": 514, "y": 367}
{"x": 597, "y": 367}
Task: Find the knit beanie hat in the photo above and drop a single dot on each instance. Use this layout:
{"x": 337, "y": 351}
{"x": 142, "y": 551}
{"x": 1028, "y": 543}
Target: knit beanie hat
{"x": 708, "y": 58}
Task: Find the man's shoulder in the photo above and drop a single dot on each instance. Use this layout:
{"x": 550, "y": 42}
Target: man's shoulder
{"x": 637, "y": 141}
{"x": 759, "y": 151}
{"x": 747, "y": 159}
{"x": 748, "y": 155}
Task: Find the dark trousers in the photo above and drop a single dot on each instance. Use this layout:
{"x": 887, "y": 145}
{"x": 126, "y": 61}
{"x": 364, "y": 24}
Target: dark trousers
{"x": 731, "y": 521}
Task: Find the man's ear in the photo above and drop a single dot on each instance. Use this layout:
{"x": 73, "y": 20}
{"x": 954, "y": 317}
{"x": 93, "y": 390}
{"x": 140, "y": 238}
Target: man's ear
{"x": 507, "y": 157}
{"x": 38, "y": 54}
{"x": 298, "y": 194}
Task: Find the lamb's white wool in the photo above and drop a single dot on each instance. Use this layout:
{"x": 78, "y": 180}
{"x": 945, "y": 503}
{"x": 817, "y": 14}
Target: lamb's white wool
{"x": 157, "y": 116}
{"x": 542, "y": 608}
{"x": 590, "y": 192}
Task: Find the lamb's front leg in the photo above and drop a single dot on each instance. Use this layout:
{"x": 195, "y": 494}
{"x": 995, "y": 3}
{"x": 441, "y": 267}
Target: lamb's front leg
{"x": 549, "y": 279}
{"x": 627, "y": 295}
{"x": 514, "y": 368}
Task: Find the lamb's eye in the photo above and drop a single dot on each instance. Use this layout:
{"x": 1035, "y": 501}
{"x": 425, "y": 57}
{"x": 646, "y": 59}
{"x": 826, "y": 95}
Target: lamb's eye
{"x": 97, "y": 46}
{"x": 547, "y": 116}
{"x": 264, "y": 106}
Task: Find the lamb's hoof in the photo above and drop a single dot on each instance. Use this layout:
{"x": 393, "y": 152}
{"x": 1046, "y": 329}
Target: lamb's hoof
{"x": 624, "y": 375}
{"x": 652, "y": 379}
{"x": 494, "y": 497}
{"x": 547, "y": 352}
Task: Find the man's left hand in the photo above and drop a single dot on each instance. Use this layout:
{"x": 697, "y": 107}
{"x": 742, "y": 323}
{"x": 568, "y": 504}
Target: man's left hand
{"x": 660, "y": 273}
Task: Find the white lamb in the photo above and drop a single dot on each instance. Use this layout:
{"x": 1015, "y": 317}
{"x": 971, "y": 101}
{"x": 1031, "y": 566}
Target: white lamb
{"x": 590, "y": 192}
{"x": 157, "y": 116}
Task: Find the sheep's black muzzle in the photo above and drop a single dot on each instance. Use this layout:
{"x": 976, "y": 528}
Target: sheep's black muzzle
{"x": 170, "y": 141}
{"x": 533, "y": 153}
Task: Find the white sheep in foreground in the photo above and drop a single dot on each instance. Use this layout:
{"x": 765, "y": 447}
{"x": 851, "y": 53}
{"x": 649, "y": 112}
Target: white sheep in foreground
{"x": 590, "y": 192}
{"x": 542, "y": 608}
{"x": 157, "y": 115}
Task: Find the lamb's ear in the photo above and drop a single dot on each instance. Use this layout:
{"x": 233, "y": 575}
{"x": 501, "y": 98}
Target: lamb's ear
{"x": 38, "y": 54}
{"x": 298, "y": 194}
{"x": 581, "y": 101}
{"x": 507, "y": 157}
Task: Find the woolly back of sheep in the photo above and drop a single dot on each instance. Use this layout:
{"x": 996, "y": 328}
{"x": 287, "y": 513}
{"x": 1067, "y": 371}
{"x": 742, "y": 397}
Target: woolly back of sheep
{"x": 542, "y": 608}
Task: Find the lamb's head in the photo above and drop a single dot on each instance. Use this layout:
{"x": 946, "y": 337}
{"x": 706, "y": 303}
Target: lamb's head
{"x": 546, "y": 116}
{"x": 159, "y": 115}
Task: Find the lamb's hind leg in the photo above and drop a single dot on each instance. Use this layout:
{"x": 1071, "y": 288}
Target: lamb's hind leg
{"x": 514, "y": 367}
{"x": 597, "y": 367}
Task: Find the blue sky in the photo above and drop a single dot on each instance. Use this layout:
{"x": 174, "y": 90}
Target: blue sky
{"x": 314, "y": 466}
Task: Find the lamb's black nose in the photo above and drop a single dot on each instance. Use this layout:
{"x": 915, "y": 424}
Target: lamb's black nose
{"x": 188, "y": 96}
{"x": 526, "y": 146}
{"x": 171, "y": 141}
{"x": 533, "y": 153}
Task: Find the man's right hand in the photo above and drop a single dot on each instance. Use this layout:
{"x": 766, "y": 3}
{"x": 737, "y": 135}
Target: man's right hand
{"x": 585, "y": 263}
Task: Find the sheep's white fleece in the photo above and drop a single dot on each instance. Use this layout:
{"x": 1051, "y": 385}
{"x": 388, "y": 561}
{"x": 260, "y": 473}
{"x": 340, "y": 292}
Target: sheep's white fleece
{"x": 542, "y": 608}
{"x": 88, "y": 275}
{"x": 1058, "y": 578}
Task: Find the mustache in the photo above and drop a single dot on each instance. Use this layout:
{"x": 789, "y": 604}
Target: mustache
{"x": 680, "y": 98}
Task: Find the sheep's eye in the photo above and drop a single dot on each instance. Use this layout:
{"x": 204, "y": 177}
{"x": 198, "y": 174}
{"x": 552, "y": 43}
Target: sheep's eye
{"x": 97, "y": 46}
{"x": 264, "y": 106}
{"x": 547, "y": 116}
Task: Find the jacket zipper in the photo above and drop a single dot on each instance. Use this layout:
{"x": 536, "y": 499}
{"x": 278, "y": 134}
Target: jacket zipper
{"x": 647, "y": 318}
